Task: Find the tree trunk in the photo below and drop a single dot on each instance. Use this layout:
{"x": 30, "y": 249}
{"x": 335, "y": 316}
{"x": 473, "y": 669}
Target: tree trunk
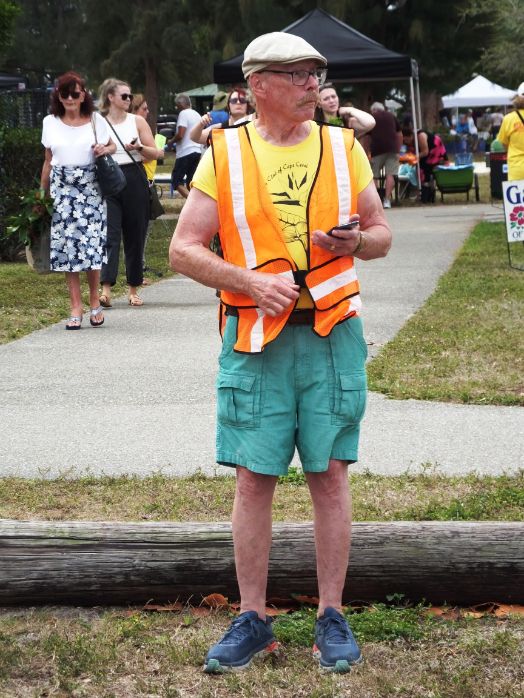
{"x": 151, "y": 92}
{"x": 108, "y": 563}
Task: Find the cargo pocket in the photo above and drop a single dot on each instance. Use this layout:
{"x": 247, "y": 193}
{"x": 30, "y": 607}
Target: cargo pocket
{"x": 350, "y": 397}
{"x": 238, "y": 399}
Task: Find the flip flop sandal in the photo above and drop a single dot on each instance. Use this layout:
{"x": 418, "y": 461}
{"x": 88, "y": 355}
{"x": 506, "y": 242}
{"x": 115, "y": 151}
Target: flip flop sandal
{"x": 93, "y": 313}
{"x": 135, "y": 300}
{"x": 105, "y": 301}
{"x": 76, "y": 319}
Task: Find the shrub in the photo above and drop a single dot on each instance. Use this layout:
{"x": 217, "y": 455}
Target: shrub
{"x": 21, "y": 158}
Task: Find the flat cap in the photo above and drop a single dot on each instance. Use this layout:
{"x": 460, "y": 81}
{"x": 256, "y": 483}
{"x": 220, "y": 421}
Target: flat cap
{"x": 278, "y": 47}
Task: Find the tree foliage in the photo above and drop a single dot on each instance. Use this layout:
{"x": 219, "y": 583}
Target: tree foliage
{"x": 8, "y": 13}
{"x": 167, "y": 47}
{"x": 501, "y": 58}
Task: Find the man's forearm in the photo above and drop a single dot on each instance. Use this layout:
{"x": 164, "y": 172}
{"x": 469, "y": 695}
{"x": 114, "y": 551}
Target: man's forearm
{"x": 201, "y": 264}
{"x": 376, "y": 242}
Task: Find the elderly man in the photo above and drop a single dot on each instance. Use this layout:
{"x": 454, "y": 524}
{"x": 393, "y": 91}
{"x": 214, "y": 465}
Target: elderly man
{"x": 385, "y": 142}
{"x": 292, "y": 364}
{"x": 187, "y": 151}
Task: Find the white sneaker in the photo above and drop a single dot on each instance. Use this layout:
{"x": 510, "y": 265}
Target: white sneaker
{"x": 387, "y": 203}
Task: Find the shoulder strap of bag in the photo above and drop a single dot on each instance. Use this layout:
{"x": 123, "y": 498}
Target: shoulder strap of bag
{"x": 519, "y": 115}
{"x": 120, "y": 141}
{"x": 94, "y": 127}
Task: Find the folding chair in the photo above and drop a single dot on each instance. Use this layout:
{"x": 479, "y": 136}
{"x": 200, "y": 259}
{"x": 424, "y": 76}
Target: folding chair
{"x": 456, "y": 180}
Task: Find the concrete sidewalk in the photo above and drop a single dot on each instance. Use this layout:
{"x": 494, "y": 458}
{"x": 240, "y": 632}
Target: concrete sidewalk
{"x": 137, "y": 395}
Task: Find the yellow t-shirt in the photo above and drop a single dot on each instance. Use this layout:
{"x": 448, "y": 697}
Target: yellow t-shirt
{"x": 150, "y": 165}
{"x": 288, "y": 173}
{"x": 511, "y": 135}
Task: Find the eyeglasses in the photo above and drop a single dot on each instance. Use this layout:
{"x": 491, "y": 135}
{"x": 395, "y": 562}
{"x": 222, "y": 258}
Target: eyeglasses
{"x": 238, "y": 100}
{"x": 126, "y": 96}
{"x": 74, "y": 94}
{"x": 300, "y": 77}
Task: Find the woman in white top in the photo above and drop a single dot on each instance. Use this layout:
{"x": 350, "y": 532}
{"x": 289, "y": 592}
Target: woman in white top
{"x": 238, "y": 108}
{"x": 78, "y": 225}
{"x": 128, "y": 211}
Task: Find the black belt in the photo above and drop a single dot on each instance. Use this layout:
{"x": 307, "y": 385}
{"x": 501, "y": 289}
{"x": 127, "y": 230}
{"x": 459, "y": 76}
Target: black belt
{"x": 297, "y": 317}
{"x": 302, "y": 317}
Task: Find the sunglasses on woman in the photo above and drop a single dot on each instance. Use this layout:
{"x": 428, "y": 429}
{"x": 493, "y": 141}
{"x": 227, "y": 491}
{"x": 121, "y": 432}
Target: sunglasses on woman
{"x": 126, "y": 95}
{"x": 74, "y": 94}
{"x": 238, "y": 100}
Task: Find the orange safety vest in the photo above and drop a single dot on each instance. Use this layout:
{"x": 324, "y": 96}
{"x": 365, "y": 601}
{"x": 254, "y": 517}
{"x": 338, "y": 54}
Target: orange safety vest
{"x": 251, "y": 236}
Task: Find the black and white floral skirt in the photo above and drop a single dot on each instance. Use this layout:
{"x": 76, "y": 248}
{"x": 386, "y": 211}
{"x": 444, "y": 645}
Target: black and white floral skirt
{"x": 79, "y": 222}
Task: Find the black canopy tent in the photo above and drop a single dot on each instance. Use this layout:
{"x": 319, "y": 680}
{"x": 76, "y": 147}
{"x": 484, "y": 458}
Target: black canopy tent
{"x": 351, "y": 56}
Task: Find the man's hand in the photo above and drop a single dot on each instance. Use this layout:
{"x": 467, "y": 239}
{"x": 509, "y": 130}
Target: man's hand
{"x": 272, "y": 293}
{"x": 341, "y": 242}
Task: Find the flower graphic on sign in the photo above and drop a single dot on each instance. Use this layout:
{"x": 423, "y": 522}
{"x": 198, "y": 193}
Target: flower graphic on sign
{"x": 516, "y": 217}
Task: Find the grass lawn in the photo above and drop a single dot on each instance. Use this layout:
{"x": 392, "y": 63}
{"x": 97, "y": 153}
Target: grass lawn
{"x": 426, "y": 496}
{"x": 131, "y": 653}
{"x": 465, "y": 343}
{"x": 126, "y": 653}
{"x": 30, "y": 301}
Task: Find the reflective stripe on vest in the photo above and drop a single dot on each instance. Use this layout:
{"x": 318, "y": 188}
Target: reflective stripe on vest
{"x": 251, "y": 235}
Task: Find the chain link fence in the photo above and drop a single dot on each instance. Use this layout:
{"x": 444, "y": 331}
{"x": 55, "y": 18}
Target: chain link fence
{"x": 23, "y": 109}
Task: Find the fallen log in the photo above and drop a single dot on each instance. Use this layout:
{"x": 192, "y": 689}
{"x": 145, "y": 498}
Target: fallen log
{"x": 118, "y": 563}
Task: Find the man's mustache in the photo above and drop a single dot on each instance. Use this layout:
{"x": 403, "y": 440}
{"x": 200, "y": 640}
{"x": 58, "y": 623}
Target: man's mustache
{"x": 311, "y": 98}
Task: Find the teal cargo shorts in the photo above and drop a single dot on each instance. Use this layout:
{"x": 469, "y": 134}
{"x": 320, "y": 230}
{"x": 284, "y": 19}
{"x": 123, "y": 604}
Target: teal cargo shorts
{"x": 302, "y": 391}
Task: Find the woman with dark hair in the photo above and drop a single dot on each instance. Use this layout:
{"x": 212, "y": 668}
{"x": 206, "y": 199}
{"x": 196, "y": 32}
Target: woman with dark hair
{"x": 128, "y": 211}
{"x": 239, "y": 110}
{"x": 78, "y": 225}
{"x": 431, "y": 152}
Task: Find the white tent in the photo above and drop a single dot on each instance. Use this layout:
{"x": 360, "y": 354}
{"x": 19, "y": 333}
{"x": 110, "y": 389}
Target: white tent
{"x": 479, "y": 92}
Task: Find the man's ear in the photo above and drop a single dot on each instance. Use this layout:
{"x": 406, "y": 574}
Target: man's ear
{"x": 257, "y": 84}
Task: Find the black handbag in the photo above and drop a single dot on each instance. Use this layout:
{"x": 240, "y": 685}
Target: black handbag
{"x": 155, "y": 207}
{"x": 108, "y": 173}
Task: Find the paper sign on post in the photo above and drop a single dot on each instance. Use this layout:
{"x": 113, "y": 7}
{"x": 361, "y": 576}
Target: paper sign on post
{"x": 513, "y": 195}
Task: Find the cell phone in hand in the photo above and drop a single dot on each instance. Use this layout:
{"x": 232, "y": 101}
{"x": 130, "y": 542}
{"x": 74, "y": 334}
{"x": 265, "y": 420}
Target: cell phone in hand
{"x": 134, "y": 140}
{"x": 346, "y": 226}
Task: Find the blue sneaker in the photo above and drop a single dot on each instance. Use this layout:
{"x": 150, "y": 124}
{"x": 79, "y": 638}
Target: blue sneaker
{"x": 247, "y": 637}
{"x": 335, "y": 647}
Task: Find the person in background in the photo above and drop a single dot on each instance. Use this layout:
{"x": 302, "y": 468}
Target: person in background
{"x": 432, "y": 152}
{"x": 384, "y": 146}
{"x": 139, "y": 106}
{"x": 238, "y": 111}
{"x": 187, "y": 151}
{"x": 484, "y": 126}
{"x": 496, "y": 121}
{"x": 219, "y": 113}
{"x": 465, "y": 136}
{"x": 128, "y": 211}
{"x": 78, "y": 225}
{"x": 330, "y": 112}
{"x": 292, "y": 366}
{"x": 511, "y": 135}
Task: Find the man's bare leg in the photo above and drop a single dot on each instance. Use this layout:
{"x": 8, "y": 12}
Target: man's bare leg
{"x": 390, "y": 185}
{"x": 252, "y": 537}
{"x": 332, "y": 508}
